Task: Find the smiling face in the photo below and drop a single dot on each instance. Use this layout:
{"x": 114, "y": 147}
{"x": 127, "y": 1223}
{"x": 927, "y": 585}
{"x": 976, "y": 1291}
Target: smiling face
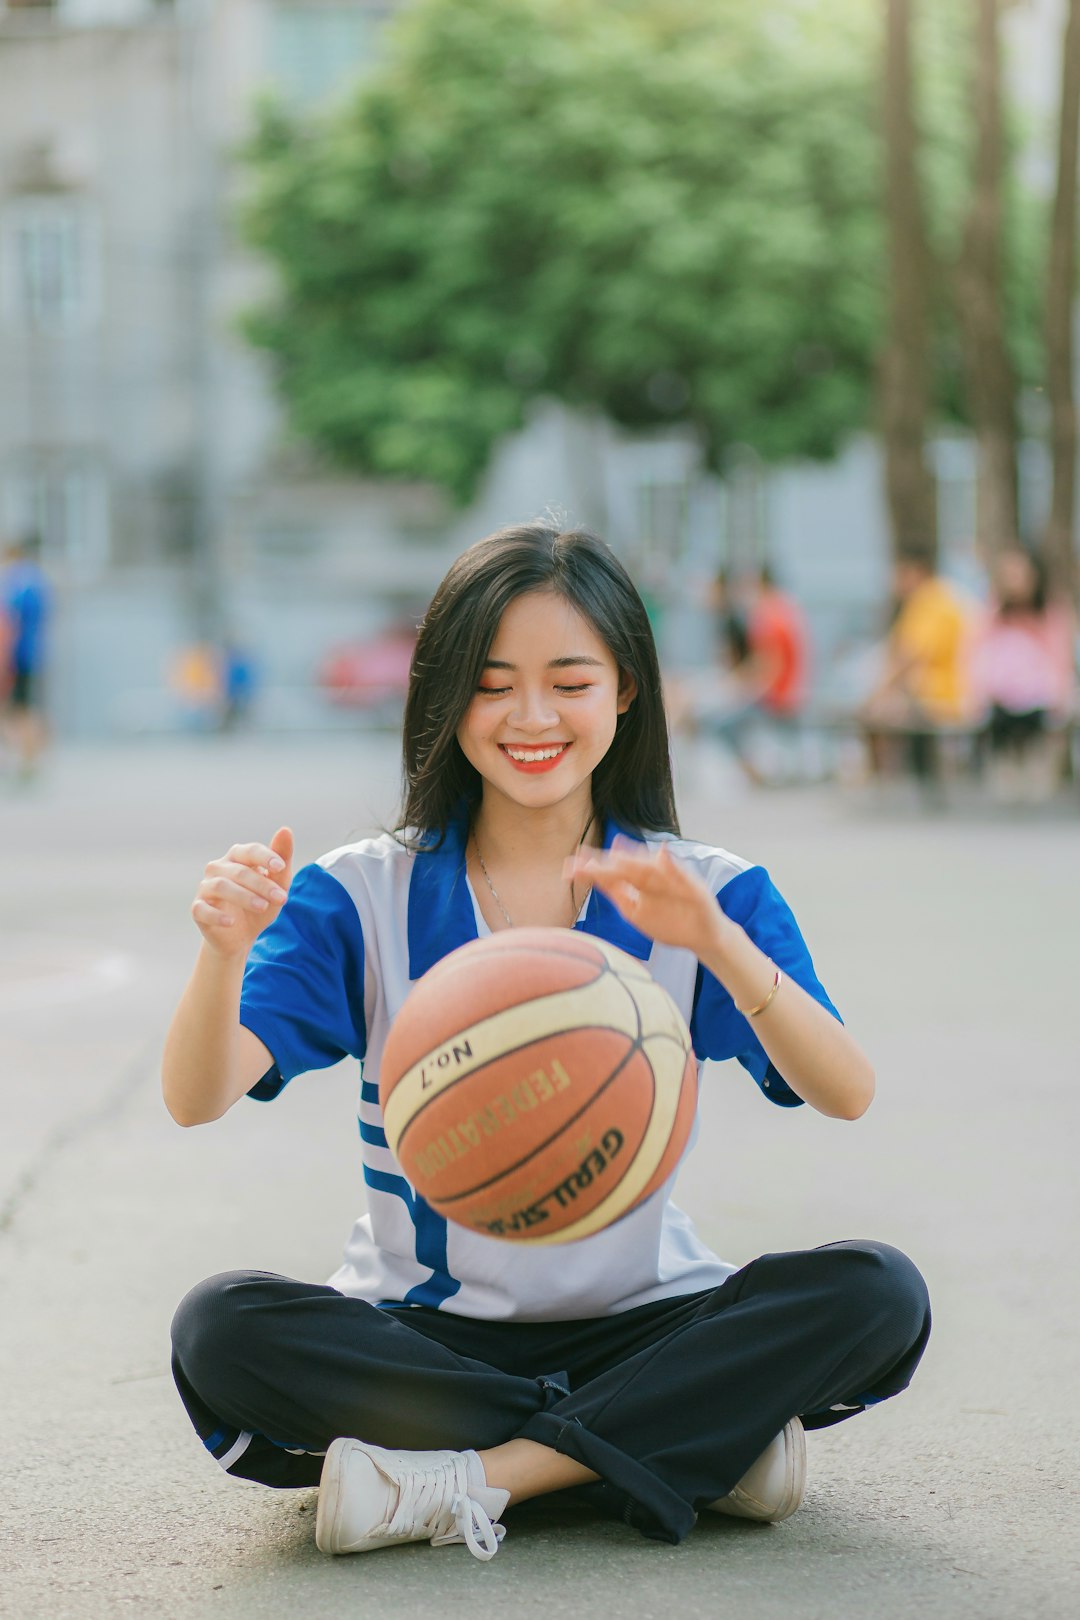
{"x": 544, "y": 714}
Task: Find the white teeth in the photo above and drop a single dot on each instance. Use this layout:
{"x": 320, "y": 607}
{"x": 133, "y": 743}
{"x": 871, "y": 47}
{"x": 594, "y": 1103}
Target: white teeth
{"x": 529, "y": 756}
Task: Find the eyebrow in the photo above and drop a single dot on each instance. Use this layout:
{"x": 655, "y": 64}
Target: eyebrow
{"x": 554, "y": 663}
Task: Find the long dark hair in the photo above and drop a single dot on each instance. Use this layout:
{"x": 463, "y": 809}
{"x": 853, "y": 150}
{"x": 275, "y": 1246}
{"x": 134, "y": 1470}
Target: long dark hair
{"x": 632, "y": 783}
{"x": 1010, "y": 607}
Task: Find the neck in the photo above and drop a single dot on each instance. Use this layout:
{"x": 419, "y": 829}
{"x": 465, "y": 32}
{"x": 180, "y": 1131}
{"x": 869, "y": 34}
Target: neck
{"x": 507, "y": 832}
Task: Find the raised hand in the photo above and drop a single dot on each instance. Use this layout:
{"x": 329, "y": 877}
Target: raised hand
{"x": 655, "y": 893}
{"x": 242, "y": 892}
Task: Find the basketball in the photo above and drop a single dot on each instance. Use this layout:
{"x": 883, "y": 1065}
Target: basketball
{"x": 538, "y": 1085}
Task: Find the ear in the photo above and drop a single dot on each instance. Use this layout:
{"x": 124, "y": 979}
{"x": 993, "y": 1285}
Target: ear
{"x": 627, "y": 692}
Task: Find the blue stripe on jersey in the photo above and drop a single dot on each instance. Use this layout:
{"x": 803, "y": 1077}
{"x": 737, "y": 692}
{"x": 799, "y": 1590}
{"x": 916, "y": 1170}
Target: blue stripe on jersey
{"x": 303, "y": 993}
{"x": 374, "y": 1134}
{"x": 369, "y": 1091}
{"x": 441, "y": 915}
{"x": 430, "y": 1239}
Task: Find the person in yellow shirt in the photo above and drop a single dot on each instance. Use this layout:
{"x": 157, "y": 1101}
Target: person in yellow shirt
{"x": 925, "y": 684}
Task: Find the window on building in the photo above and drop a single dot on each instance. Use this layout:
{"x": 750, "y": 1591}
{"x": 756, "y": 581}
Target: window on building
{"x": 63, "y": 499}
{"x": 315, "y": 48}
{"x": 50, "y": 263}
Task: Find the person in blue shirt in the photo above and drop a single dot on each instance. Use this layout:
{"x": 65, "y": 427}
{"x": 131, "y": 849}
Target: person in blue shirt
{"x": 25, "y": 606}
{"x": 440, "y": 1376}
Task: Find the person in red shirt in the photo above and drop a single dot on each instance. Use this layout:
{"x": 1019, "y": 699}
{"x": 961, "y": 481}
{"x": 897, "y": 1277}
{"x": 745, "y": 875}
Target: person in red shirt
{"x": 776, "y": 672}
{"x": 753, "y": 702}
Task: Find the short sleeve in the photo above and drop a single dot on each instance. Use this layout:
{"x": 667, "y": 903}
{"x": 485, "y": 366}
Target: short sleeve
{"x": 720, "y": 1031}
{"x": 303, "y": 993}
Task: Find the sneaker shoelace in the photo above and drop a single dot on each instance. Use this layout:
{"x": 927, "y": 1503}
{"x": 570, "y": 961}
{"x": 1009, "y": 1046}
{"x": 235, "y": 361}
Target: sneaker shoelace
{"x": 435, "y": 1502}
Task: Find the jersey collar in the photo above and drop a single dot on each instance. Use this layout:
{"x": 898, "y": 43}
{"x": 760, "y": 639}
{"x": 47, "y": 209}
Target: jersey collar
{"x": 441, "y": 915}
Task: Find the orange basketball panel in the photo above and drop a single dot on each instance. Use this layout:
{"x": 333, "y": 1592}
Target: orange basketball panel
{"x": 513, "y": 944}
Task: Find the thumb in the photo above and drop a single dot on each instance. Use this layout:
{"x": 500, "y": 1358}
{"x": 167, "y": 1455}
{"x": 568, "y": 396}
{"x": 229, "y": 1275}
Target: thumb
{"x": 282, "y": 844}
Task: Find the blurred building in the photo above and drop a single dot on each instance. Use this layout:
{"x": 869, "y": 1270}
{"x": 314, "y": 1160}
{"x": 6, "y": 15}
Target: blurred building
{"x": 138, "y": 434}
{"x": 141, "y": 438}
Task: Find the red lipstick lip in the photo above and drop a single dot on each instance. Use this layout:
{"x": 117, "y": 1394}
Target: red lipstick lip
{"x": 534, "y": 768}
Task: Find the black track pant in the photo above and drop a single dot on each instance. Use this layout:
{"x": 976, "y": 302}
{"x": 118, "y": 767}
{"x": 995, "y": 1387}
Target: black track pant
{"x": 668, "y": 1403}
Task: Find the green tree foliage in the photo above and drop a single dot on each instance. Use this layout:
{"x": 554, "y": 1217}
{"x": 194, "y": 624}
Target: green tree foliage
{"x": 668, "y": 210}
{"x": 664, "y": 209}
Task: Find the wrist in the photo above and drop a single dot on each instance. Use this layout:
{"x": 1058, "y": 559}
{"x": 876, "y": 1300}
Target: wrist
{"x": 720, "y": 943}
{"x": 223, "y": 965}
{"x": 744, "y": 970}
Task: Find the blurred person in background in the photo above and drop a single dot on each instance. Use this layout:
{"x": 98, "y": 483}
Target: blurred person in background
{"x": 239, "y": 682}
{"x": 25, "y": 605}
{"x": 215, "y": 685}
{"x": 1023, "y": 673}
{"x": 729, "y": 619}
{"x": 925, "y": 686}
{"x": 776, "y": 672}
{"x": 754, "y": 698}
{"x": 195, "y": 681}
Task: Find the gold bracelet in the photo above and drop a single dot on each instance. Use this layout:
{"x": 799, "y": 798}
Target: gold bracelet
{"x": 752, "y": 1012}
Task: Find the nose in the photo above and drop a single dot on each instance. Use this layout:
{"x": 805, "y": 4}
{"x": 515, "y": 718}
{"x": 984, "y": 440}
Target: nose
{"x": 533, "y": 712}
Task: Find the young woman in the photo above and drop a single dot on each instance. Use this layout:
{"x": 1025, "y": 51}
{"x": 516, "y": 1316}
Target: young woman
{"x": 1024, "y": 678}
{"x": 441, "y": 1376}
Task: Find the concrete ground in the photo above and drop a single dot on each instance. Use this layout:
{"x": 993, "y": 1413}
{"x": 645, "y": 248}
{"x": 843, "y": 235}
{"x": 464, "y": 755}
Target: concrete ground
{"x": 950, "y": 943}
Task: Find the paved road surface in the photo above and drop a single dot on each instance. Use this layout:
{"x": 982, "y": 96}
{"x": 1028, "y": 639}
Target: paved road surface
{"x": 951, "y": 944}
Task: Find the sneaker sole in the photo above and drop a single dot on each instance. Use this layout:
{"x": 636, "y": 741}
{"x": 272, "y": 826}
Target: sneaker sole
{"x": 329, "y": 1496}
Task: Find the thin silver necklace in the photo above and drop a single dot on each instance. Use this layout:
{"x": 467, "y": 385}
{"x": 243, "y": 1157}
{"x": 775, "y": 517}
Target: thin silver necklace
{"x": 495, "y": 893}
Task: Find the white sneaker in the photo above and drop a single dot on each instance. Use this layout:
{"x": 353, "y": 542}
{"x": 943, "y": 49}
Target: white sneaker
{"x": 371, "y": 1498}
{"x": 772, "y": 1489}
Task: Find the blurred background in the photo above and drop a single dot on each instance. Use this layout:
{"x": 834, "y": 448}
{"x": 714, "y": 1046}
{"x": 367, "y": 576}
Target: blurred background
{"x": 299, "y": 297}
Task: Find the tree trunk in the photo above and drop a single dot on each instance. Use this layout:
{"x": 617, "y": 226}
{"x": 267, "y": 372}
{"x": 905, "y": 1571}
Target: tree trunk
{"x": 991, "y": 384}
{"x": 1059, "y": 546}
{"x": 909, "y": 483}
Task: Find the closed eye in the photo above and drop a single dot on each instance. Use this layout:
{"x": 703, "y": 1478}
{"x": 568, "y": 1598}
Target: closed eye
{"x": 501, "y": 691}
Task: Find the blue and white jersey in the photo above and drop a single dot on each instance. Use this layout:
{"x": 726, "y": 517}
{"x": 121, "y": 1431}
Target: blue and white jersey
{"x": 326, "y": 980}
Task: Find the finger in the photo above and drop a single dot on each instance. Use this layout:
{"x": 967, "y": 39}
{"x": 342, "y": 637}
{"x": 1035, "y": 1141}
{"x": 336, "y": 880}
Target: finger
{"x": 639, "y": 869}
{"x": 625, "y": 897}
{"x": 604, "y": 874}
{"x": 223, "y": 891}
{"x": 208, "y": 916}
{"x": 282, "y": 846}
{"x": 617, "y": 888}
{"x": 252, "y": 878}
{"x": 254, "y": 855}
